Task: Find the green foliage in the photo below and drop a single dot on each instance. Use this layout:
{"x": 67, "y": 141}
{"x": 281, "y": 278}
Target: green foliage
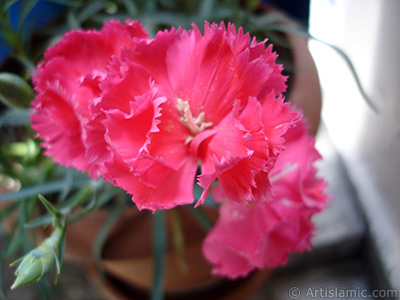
{"x": 15, "y": 91}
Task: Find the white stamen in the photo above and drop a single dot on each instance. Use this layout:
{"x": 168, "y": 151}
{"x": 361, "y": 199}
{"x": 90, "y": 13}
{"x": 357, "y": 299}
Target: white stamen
{"x": 194, "y": 124}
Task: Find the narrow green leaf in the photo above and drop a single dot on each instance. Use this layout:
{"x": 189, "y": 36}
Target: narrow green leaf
{"x": 160, "y": 245}
{"x": 202, "y": 218}
{"x": 95, "y": 202}
{"x": 15, "y": 117}
{"x": 15, "y": 91}
{"x": 150, "y": 6}
{"x": 44, "y": 290}
{"x": 178, "y": 239}
{"x": 130, "y": 7}
{"x": 73, "y": 21}
{"x": 6, "y": 212}
{"x": 27, "y": 6}
{"x": 58, "y": 264}
{"x": 50, "y": 207}
{"x": 90, "y": 10}
{"x": 77, "y": 200}
{"x": 61, "y": 246}
{"x": 8, "y": 4}
{"x": 70, "y": 3}
{"x": 22, "y": 219}
{"x": 105, "y": 230}
{"x": 206, "y": 9}
{"x": 40, "y": 222}
{"x": 304, "y": 33}
{"x": 25, "y": 61}
{"x": 2, "y": 294}
{"x": 354, "y": 73}
{"x": 69, "y": 179}
{"x": 252, "y": 4}
{"x": 45, "y": 188}
{"x": 14, "y": 245}
{"x": 16, "y": 262}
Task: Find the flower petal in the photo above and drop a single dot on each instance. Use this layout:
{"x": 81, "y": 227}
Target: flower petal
{"x": 59, "y": 128}
{"x": 128, "y": 134}
{"x": 264, "y": 233}
{"x": 236, "y": 159}
{"x": 153, "y": 184}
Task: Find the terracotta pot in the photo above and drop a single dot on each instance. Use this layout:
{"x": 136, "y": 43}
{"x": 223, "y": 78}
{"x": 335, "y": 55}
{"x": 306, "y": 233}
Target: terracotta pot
{"x": 128, "y": 263}
{"x": 240, "y": 289}
{"x": 305, "y": 89}
{"x": 130, "y": 247}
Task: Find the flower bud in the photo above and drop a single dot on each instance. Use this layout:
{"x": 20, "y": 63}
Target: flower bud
{"x": 39, "y": 261}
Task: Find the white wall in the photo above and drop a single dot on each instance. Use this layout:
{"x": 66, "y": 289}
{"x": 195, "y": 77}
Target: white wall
{"x": 369, "y": 32}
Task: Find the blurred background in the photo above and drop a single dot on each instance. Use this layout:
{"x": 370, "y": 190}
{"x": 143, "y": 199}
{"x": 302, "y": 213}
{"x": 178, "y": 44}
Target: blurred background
{"x": 357, "y": 243}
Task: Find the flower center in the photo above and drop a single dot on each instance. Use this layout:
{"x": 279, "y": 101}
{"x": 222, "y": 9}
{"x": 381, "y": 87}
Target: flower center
{"x": 194, "y": 124}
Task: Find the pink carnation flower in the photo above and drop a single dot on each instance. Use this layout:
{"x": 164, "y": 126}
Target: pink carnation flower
{"x": 259, "y": 234}
{"x": 68, "y": 81}
{"x": 186, "y": 97}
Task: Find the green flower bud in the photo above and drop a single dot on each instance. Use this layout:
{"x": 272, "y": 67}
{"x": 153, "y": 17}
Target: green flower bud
{"x": 40, "y": 261}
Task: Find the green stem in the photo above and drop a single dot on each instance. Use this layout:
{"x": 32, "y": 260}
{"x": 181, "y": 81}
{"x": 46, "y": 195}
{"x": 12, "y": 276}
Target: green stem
{"x": 160, "y": 242}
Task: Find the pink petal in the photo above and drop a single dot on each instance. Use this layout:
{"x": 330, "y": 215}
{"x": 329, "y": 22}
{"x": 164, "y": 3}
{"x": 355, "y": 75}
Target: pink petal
{"x": 129, "y": 134}
{"x": 260, "y": 234}
{"x": 275, "y": 82}
{"x": 277, "y": 119}
{"x": 58, "y": 126}
{"x": 236, "y": 160}
{"x": 71, "y": 74}
{"x": 153, "y": 184}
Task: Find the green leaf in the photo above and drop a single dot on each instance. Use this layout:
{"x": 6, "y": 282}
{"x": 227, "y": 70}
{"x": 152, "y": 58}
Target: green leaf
{"x": 15, "y": 91}
{"x": 178, "y": 239}
{"x": 70, "y": 3}
{"x": 50, "y": 207}
{"x": 90, "y": 10}
{"x": 45, "y": 188}
{"x": 14, "y": 244}
{"x": 73, "y": 21}
{"x": 17, "y": 262}
{"x": 2, "y": 294}
{"x": 130, "y": 7}
{"x": 40, "y": 222}
{"x": 6, "y": 212}
{"x": 77, "y": 200}
{"x": 252, "y": 4}
{"x": 69, "y": 179}
{"x": 105, "y": 230}
{"x": 206, "y": 9}
{"x": 15, "y": 117}
{"x": 27, "y": 6}
{"x": 160, "y": 246}
{"x": 202, "y": 218}
{"x": 61, "y": 246}
{"x": 8, "y": 4}
{"x": 304, "y": 33}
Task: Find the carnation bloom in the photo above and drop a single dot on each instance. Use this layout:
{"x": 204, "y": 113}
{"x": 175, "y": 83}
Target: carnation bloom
{"x": 262, "y": 234}
{"x": 68, "y": 81}
{"x": 184, "y": 98}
